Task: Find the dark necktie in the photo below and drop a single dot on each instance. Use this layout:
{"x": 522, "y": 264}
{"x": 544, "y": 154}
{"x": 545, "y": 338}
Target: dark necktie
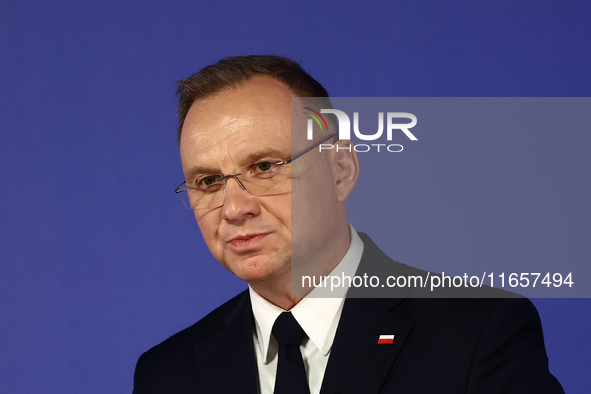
{"x": 291, "y": 374}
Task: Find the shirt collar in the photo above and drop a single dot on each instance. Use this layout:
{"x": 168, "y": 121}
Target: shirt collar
{"x": 317, "y": 315}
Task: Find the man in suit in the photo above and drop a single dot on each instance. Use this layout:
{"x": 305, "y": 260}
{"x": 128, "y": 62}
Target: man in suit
{"x": 245, "y": 172}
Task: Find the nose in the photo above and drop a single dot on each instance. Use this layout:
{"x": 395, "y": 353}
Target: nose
{"x": 238, "y": 203}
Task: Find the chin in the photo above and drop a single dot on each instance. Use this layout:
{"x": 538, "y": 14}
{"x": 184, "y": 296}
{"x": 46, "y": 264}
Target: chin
{"x": 259, "y": 268}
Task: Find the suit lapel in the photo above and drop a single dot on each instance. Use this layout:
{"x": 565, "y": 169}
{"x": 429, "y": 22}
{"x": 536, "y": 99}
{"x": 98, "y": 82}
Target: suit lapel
{"x": 226, "y": 361}
{"x": 357, "y": 363}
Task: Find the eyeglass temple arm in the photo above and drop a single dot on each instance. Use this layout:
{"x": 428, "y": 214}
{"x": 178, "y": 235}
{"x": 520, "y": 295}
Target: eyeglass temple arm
{"x": 180, "y": 188}
{"x": 310, "y": 148}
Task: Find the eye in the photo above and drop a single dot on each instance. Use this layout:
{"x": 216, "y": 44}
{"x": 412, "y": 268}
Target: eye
{"x": 263, "y": 169}
{"x": 264, "y": 166}
{"x": 208, "y": 181}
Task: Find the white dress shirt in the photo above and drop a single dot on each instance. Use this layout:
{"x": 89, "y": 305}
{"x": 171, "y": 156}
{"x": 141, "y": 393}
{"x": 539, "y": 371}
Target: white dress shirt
{"x": 318, "y": 317}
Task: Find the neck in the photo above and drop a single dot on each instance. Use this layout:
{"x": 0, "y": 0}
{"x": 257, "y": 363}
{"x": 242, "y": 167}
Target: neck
{"x": 282, "y": 299}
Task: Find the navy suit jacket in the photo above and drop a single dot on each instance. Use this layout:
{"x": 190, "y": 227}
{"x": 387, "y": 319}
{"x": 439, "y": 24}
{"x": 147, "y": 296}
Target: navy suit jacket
{"x": 459, "y": 345}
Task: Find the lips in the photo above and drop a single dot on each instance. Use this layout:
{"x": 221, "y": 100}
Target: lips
{"x": 247, "y": 242}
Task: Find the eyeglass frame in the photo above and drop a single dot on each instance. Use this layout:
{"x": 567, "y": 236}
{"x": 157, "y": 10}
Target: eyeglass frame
{"x": 180, "y": 188}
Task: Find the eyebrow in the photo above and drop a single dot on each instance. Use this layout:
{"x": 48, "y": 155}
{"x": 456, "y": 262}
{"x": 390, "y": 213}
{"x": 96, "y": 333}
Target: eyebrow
{"x": 251, "y": 158}
{"x": 264, "y": 154}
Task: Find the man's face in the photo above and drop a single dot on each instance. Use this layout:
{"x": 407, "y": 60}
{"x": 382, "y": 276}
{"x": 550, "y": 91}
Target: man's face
{"x": 249, "y": 235}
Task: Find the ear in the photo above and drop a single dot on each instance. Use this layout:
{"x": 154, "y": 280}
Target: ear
{"x": 346, "y": 169}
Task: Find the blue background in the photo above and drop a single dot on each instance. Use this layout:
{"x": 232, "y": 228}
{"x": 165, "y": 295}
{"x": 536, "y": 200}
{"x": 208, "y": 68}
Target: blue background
{"x": 99, "y": 260}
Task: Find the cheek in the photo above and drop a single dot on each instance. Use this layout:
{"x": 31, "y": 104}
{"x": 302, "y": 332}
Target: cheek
{"x": 209, "y": 229}
{"x": 286, "y": 211}
{"x": 313, "y": 210}
{"x": 281, "y": 209}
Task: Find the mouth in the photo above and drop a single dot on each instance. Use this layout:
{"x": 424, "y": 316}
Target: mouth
{"x": 244, "y": 243}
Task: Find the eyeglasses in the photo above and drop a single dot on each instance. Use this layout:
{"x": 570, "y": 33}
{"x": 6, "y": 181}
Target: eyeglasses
{"x": 263, "y": 178}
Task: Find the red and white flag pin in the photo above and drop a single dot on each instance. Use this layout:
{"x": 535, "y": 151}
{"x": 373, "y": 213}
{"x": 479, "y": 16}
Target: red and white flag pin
{"x": 386, "y": 339}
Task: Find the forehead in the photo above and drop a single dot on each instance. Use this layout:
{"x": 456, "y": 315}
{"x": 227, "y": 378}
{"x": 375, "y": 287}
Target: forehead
{"x": 235, "y": 123}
